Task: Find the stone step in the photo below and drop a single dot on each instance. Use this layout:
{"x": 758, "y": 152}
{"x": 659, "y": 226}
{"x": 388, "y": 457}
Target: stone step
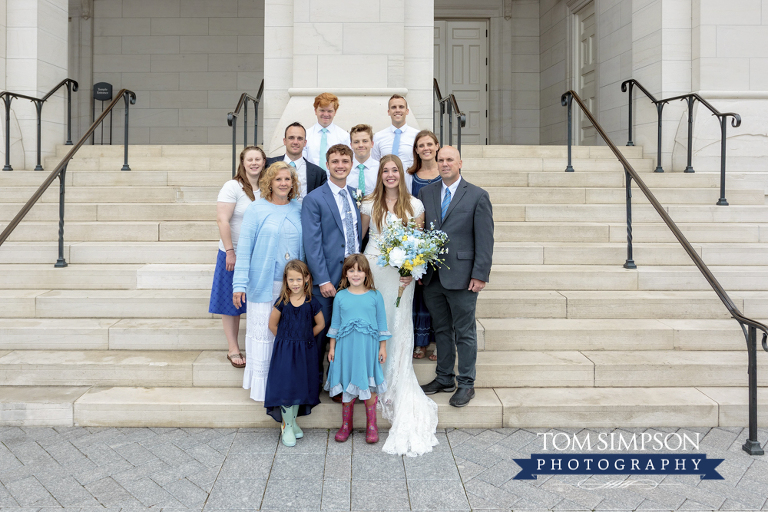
{"x": 515, "y": 334}
{"x": 597, "y": 232}
{"x": 614, "y": 407}
{"x": 110, "y": 252}
{"x": 617, "y": 304}
{"x": 561, "y": 368}
{"x": 132, "y": 194}
{"x": 641, "y": 213}
{"x": 178, "y": 368}
{"x": 537, "y": 164}
{"x": 108, "y": 231}
{"x": 528, "y": 151}
{"x": 666, "y": 368}
{"x": 148, "y": 304}
{"x": 114, "y": 334}
{"x": 145, "y": 163}
{"x": 113, "y": 211}
{"x": 37, "y": 276}
{"x": 43, "y": 303}
{"x": 150, "y": 150}
{"x": 504, "y": 334}
{"x": 583, "y": 195}
{"x": 506, "y": 253}
{"x": 232, "y": 407}
{"x": 97, "y": 367}
{"x": 192, "y": 407}
{"x": 513, "y": 277}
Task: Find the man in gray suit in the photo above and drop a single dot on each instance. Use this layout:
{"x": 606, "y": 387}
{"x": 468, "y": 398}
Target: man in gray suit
{"x": 464, "y": 212}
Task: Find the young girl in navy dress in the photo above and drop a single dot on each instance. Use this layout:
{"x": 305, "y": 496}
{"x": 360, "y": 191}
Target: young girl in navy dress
{"x": 358, "y": 337}
{"x": 292, "y": 384}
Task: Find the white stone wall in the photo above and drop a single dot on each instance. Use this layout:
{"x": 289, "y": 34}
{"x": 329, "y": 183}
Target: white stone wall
{"x": 35, "y": 61}
{"x": 361, "y": 51}
{"x": 614, "y": 31}
{"x": 187, "y": 60}
{"x": 730, "y": 69}
{"x": 553, "y": 48}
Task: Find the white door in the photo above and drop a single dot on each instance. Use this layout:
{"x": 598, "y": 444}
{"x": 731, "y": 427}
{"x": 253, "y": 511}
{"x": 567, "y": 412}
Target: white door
{"x": 586, "y": 71}
{"x": 461, "y": 68}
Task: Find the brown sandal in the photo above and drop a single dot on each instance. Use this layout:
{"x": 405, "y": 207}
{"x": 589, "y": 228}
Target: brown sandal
{"x": 241, "y": 365}
{"x": 419, "y": 353}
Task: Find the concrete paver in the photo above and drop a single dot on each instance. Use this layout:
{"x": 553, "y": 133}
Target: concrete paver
{"x": 174, "y": 469}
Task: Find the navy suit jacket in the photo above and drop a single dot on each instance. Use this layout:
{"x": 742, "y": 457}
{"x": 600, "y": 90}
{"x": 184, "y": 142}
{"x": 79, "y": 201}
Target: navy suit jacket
{"x": 316, "y": 176}
{"x": 323, "y": 234}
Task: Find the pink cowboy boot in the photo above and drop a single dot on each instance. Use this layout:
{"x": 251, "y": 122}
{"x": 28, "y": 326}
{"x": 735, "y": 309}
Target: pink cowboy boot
{"x": 371, "y": 429}
{"x": 346, "y": 417}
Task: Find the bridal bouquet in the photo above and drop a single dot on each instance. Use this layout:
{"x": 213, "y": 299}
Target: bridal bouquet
{"x": 410, "y": 250}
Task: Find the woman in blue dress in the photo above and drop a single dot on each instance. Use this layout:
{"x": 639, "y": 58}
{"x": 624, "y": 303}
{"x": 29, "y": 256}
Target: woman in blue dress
{"x": 270, "y": 236}
{"x": 424, "y": 171}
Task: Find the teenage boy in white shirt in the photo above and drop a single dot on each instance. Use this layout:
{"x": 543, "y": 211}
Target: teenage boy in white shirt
{"x": 365, "y": 169}
{"x": 324, "y": 134}
{"x": 396, "y": 139}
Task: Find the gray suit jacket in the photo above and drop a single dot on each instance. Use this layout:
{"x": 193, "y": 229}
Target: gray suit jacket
{"x": 469, "y": 225}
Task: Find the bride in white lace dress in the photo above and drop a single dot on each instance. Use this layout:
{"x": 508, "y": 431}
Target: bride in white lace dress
{"x": 412, "y": 414}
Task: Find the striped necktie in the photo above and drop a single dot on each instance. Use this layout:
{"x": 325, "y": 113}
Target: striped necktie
{"x": 446, "y": 203}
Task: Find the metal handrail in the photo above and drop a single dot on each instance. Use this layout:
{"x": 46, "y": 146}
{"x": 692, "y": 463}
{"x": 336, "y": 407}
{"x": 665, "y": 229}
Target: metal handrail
{"x": 8, "y": 97}
{"x": 748, "y": 326}
{"x": 60, "y": 172}
{"x": 690, "y": 98}
{"x": 242, "y": 104}
{"x": 451, "y": 109}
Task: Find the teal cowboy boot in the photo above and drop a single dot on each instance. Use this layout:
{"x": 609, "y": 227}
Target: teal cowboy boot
{"x": 288, "y": 437}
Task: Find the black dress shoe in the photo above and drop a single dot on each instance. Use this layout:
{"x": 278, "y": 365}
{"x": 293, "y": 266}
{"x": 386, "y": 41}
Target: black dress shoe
{"x": 435, "y": 387}
{"x": 462, "y": 397}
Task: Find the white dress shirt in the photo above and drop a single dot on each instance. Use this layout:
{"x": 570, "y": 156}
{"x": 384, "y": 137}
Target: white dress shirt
{"x": 382, "y": 144}
{"x": 371, "y": 171}
{"x": 452, "y": 188}
{"x": 334, "y": 136}
{"x": 301, "y": 172}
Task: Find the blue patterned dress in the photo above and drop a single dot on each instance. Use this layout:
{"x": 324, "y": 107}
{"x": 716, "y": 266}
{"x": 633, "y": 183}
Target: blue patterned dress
{"x": 359, "y": 323}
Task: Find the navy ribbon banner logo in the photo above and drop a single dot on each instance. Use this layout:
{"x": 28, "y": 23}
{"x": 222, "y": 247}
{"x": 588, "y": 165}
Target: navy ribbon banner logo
{"x": 618, "y": 464}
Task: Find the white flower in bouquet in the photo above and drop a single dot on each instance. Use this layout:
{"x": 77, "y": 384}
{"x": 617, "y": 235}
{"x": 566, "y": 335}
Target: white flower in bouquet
{"x": 397, "y": 257}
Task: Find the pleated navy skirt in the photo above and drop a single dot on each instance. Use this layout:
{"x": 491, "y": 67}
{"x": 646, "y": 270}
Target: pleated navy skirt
{"x": 221, "y": 291}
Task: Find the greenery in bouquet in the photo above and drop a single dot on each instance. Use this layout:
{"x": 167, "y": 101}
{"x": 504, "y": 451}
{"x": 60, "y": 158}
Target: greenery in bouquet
{"x": 409, "y": 249}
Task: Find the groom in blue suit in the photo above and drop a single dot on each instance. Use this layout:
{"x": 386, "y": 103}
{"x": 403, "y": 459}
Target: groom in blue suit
{"x": 331, "y": 228}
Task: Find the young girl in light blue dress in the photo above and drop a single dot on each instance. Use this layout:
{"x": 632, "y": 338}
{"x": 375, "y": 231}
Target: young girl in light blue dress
{"x": 358, "y": 337}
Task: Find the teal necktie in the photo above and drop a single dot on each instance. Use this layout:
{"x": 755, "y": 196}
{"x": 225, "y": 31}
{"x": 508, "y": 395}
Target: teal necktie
{"x": 446, "y": 203}
{"x": 361, "y": 179}
{"x": 323, "y": 149}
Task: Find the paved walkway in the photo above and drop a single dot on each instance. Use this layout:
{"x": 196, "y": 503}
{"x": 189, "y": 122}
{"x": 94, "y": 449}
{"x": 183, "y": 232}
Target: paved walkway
{"x": 90, "y": 469}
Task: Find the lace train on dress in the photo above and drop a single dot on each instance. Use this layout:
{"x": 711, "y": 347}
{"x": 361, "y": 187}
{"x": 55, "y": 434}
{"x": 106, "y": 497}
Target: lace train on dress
{"x": 412, "y": 414}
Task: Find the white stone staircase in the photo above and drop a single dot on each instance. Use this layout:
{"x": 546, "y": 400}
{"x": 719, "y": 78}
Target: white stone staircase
{"x": 568, "y": 337}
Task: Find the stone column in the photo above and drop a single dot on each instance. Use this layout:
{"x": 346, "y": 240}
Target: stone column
{"x": 35, "y": 61}
{"x": 361, "y": 51}
{"x": 730, "y": 70}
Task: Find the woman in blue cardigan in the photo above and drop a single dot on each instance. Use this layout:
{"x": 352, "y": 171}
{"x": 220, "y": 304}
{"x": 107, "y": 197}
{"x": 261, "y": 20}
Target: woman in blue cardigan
{"x": 270, "y": 236}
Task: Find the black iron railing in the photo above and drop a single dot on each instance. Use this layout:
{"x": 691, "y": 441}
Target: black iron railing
{"x": 691, "y": 98}
{"x": 448, "y": 105}
{"x": 60, "y": 172}
{"x": 8, "y": 97}
{"x": 748, "y": 326}
{"x": 242, "y": 104}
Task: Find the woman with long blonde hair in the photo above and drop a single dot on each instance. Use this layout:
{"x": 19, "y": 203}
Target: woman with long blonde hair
{"x": 412, "y": 414}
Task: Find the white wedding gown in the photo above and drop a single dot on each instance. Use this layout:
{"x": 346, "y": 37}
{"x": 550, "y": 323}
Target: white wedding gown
{"x": 412, "y": 414}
